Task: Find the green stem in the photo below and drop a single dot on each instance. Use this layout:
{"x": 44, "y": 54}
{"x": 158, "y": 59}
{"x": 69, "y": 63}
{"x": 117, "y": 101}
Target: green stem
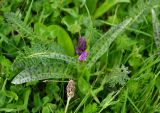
{"x": 68, "y": 100}
{"x": 4, "y": 84}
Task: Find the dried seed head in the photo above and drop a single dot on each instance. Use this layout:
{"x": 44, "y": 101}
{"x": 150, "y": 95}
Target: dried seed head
{"x": 70, "y": 88}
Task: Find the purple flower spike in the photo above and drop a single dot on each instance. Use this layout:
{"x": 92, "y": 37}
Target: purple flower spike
{"x": 83, "y": 56}
{"x": 82, "y": 45}
{"x": 81, "y": 49}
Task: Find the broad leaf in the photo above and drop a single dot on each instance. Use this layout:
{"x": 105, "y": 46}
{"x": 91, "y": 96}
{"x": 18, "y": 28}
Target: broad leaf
{"x": 63, "y": 39}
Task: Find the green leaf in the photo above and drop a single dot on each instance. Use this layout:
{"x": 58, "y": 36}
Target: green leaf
{"x": 40, "y": 56}
{"x": 19, "y": 25}
{"x": 106, "y": 6}
{"x": 45, "y": 100}
{"x": 7, "y": 109}
{"x": 95, "y": 96}
{"x": 156, "y": 28}
{"x": 41, "y": 30}
{"x": 102, "y": 45}
{"x": 109, "y": 100}
{"x": 72, "y": 11}
{"x": 5, "y": 66}
{"x": 91, "y": 4}
{"x": 37, "y": 102}
{"x": 123, "y": 42}
{"x": 83, "y": 85}
{"x": 11, "y": 94}
{"x": 90, "y": 108}
{"x": 45, "y": 109}
{"x": 28, "y": 13}
{"x": 52, "y": 107}
{"x": 119, "y": 75}
{"x": 135, "y": 62}
{"x": 2, "y": 98}
{"x": 72, "y": 24}
{"x": 158, "y": 83}
{"x": 41, "y": 72}
{"x": 50, "y": 86}
{"x": 63, "y": 39}
{"x": 26, "y": 97}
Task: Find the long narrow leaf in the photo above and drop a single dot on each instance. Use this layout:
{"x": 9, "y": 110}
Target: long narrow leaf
{"x": 102, "y": 45}
{"x": 106, "y": 6}
{"x": 39, "y": 57}
{"x": 41, "y": 72}
{"x": 156, "y": 29}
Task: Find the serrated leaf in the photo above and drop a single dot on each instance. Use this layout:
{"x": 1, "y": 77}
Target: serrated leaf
{"x": 19, "y": 25}
{"x": 102, "y": 45}
{"x": 119, "y": 75}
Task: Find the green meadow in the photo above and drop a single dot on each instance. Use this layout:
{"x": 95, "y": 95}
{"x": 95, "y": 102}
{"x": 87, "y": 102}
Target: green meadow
{"x": 79, "y": 56}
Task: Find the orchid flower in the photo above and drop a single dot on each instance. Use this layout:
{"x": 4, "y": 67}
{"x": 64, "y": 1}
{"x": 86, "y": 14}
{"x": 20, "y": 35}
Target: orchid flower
{"x": 81, "y": 49}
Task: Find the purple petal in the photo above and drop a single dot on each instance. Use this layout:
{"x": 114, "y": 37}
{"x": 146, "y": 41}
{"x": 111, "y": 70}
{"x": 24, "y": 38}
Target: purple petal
{"x": 82, "y": 44}
{"x": 83, "y": 56}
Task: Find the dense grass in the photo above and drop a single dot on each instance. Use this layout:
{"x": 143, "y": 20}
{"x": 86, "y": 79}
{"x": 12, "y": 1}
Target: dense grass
{"x": 107, "y": 51}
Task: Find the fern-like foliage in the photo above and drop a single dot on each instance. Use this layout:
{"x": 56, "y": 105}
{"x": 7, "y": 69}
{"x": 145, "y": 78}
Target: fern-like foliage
{"x": 119, "y": 76}
{"x": 19, "y": 25}
{"x": 102, "y": 44}
{"x": 141, "y": 9}
{"x": 156, "y": 29}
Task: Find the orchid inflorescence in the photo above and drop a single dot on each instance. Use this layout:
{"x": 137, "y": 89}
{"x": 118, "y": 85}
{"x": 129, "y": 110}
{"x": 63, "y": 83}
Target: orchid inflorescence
{"x": 81, "y": 49}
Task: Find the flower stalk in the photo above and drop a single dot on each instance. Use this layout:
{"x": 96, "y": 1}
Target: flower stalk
{"x": 70, "y": 93}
